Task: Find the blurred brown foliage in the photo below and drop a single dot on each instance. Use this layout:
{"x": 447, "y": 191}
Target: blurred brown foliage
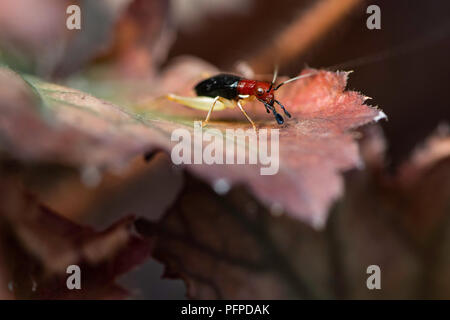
{"x": 81, "y": 155}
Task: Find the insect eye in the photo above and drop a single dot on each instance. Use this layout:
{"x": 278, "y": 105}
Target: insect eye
{"x": 260, "y": 91}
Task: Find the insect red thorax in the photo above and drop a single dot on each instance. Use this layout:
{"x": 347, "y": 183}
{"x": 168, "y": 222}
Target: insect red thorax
{"x": 261, "y": 89}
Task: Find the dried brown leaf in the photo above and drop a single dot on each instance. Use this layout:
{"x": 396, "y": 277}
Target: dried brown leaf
{"x": 37, "y": 246}
{"x": 231, "y": 247}
{"x": 133, "y": 34}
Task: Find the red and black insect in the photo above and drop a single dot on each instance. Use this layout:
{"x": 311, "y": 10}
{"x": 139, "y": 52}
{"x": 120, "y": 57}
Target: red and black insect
{"x": 227, "y": 90}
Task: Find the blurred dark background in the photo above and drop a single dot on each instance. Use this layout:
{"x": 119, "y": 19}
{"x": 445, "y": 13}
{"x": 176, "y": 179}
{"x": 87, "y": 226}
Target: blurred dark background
{"x": 409, "y": 82}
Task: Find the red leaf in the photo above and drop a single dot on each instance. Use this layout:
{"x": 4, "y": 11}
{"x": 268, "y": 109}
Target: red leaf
{"x": 315, "y": 146}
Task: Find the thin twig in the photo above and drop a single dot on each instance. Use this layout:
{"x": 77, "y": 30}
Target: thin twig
{"x": 302, "y": 33}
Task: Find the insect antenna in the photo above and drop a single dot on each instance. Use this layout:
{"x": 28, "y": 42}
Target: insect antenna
{"x": 294, "y": 79}
{"x": 275, "y": 75}
{"x": 284, "y": 109}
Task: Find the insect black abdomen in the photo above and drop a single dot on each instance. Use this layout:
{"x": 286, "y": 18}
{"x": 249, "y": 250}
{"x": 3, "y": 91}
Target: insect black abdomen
{"x": 223, "y": 85}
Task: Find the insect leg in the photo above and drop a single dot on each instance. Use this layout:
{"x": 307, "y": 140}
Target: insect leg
{"x": 282, "y": 107}
{"x": 210, "y": 111}
{"x": 277, "y": 116}
{"x": 246, "y": 115}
